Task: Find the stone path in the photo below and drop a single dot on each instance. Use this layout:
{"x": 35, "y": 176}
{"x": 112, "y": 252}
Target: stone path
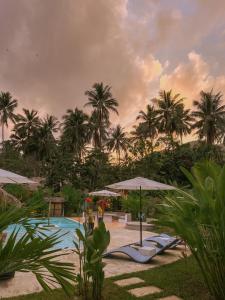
{"x": 142, "y": 290}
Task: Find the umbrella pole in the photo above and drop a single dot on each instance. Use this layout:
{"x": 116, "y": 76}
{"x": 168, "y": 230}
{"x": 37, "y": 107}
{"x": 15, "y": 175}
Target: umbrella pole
{"x": 140, "y": 218}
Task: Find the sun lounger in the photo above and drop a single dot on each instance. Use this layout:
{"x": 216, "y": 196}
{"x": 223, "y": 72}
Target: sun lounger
{"x": 164, "y": 240}
{"x": 131, "y": 252}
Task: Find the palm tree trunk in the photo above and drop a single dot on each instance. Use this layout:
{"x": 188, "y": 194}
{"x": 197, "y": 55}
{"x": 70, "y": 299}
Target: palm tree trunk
{"x": 2, "y": 133}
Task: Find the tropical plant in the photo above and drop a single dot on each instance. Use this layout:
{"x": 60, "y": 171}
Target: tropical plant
{"x": 25, "y": 132}
{"x": 101, "y": 100}
{"x": 210, "y": 116}
{"x": 45, "y": 139}
{"x": 75, "y": 131}
{"x": 7, "y": 107}
{"x": 118, "y": 141}
{"x": 149, "y": 125}
{"x": 91, "y": 265}
{"x": 197, "y": 216}
{"x": 31, "y": 251}
{"x": 170, "y": 109}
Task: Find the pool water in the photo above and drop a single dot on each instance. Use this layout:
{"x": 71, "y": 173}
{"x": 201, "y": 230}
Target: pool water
{"x": 63, "y": 225}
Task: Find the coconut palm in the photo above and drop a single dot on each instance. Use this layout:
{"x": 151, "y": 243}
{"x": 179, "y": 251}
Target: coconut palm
{"x": 210, "y": 116}
{"x": 45, "y": 136}
{"x": 149, "y": 125}
{"x": 75, "y": 131}
{"x": 97, "y": 134}
{"x": 7, "y": 107}
{"x": 28, "y": 122}
{"x": 184, "y": 121}
{"x": 101, "y": 100}
{"x": 168, "y": 104}
{"x": 118, "y": 141}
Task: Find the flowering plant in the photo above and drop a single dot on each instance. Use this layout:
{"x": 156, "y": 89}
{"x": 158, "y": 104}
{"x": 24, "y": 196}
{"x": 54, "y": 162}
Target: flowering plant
{"x": 104, "y": 203}
{"x": 88, "y": 200}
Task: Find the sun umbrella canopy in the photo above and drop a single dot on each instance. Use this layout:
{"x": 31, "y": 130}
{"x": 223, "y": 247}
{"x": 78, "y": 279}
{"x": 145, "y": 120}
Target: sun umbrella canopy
{"x": 10, "y": 177}
{"x": 140, "y": 182}
{"x": 104, "y": 193}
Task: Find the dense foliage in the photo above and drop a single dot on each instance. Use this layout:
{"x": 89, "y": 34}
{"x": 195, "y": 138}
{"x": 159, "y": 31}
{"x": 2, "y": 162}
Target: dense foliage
{"x": 86, "y": 152}
{"x": 197, "y": 216}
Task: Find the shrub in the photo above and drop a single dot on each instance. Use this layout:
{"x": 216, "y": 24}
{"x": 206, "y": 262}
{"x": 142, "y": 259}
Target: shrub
{"x": 198, "y": 217}
{"x": 73, "y": 199}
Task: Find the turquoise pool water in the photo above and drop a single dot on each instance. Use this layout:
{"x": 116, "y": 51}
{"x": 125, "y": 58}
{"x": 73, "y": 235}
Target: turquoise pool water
{"x": 63, "y": 225}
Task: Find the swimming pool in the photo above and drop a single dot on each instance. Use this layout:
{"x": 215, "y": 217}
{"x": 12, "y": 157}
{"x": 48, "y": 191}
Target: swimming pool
{"x": 63, "y": 225}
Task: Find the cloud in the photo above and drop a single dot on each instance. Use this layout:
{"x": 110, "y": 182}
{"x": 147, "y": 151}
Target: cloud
{"x": 191, "y": 77}
{"x": 52, "y": 51}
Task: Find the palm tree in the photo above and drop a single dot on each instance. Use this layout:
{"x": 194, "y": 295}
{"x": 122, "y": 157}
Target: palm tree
{"x": 7, "y": 107}
{"x": 210, "y": 116}
{"x": 29, "y": 122}
{"x": 45, "y": 136}
{"x": 75, "y": 131}
{"x": 25, "y": 132}
{"x": 101, "y": 100}
{"x": 168, "y": 106}
{"x": 118, "y": 141}
{"x": 97, "y": 134}
{"x": 184, "y": 121}
{"x": 150, "y": 123}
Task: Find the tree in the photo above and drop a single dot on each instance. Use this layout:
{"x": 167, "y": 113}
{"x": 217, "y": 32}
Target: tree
{"x": 210, "y": 116}
{"x": 75, "y": 131}
{"x": 169, "y": 109}
{"x": 149, "y": 125}
{"x": 101, "y": 100}
{"x": 25, "y": 131}
{"x": 184, "y": 121}
{"x": 7, "y": 107}
{"x": 45, "y": 136}
{"x": 118, "y": 141}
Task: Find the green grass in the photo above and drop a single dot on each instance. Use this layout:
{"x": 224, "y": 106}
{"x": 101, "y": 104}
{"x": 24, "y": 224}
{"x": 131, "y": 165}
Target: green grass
{"x": 181, "y": 278}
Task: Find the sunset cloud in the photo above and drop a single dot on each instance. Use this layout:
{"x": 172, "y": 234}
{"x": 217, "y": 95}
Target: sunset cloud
{"x": 52, "y": 51}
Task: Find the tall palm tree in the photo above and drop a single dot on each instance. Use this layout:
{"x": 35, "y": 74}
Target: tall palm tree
{"x": 118, "y": 141}
{"x": 150, "y": 123}
{"x": 7, "y": 107}
{"x": 101, "y": 100}
{"x": 45, "y": 136}
{"x": 25, "y": 132}
{"x": 210, "y": 116}
{"x": 28, "y": 122}
{"x": 75, "y": 131}
{"x": 184, "y": 121}
{"x": 168, "y": 104}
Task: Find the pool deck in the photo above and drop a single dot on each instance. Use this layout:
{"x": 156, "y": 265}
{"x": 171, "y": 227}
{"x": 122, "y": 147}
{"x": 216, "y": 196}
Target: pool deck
{"x": 26, "y": 283}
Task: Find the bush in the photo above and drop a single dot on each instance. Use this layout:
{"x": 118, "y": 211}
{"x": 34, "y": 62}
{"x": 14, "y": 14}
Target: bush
{"x": 73, "y": 198}
{"x": 197, "y": 216}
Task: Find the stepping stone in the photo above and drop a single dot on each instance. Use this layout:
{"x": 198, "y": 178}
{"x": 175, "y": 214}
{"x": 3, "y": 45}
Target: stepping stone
{"x": 144, "y": 291}
{"x": 170, "y": 298}
{"x": 129, "y": 281}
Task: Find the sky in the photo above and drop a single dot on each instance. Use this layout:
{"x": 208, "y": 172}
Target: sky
{"x": 52, "y": 51}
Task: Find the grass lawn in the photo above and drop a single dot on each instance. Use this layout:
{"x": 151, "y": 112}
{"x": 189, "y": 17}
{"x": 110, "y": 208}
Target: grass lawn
{"x": 181, "y": 278}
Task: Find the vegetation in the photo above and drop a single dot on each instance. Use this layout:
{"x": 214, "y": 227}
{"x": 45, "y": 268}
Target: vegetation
{"x": 197, "y": 216}
{"x": 85, "y": 152}
{"x": 32, "y": 250}
{"x": 173, "y": 279}
{"x": 90, "y": 248}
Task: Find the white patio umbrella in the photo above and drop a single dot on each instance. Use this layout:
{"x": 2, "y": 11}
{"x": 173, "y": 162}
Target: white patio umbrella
{"x": 104, "y": 193}
{"x": 10, "y": 177}
{"x": 139, "y": 184}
